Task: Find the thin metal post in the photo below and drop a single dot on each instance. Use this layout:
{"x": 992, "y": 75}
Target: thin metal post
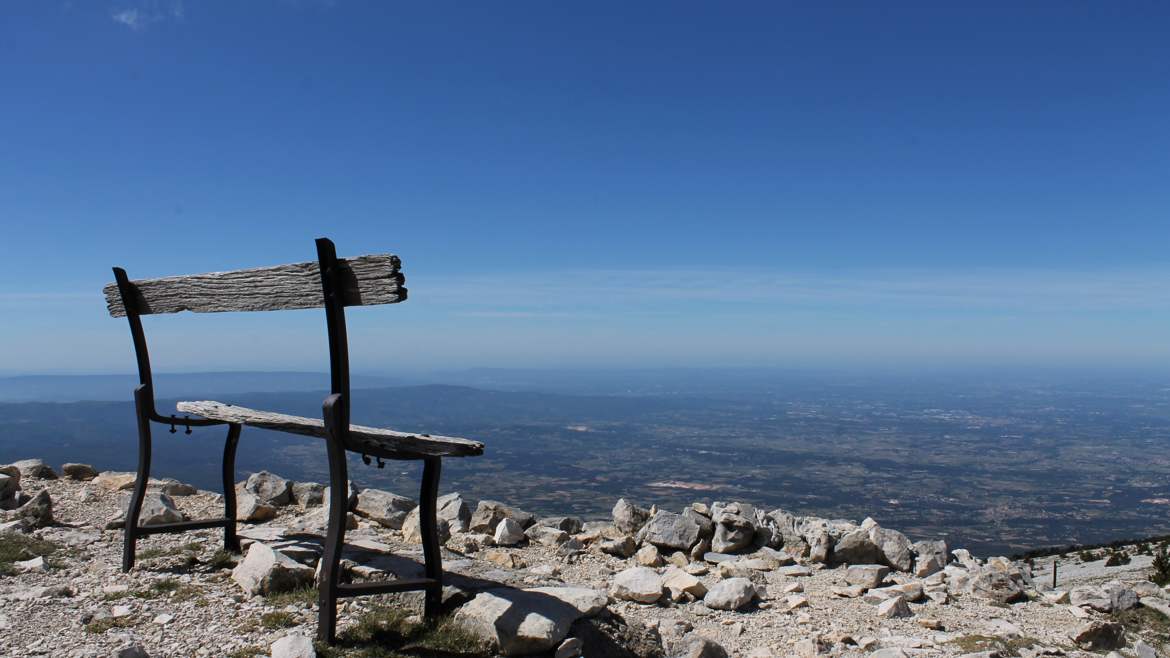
{"x": 231, "y": 542}
{"x": 336, "y": 424}
{"x": 141, "y": 403}
{"x": 432, "y": 554}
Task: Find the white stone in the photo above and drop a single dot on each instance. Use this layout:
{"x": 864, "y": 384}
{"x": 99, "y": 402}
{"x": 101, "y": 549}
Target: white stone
{"x": 294, "y": 645}
{"x": 730, "y": 594}
{"x": 640, "y": 584}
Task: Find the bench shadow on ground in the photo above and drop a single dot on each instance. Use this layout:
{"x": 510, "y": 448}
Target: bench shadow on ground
{"x": 392, "y": 627}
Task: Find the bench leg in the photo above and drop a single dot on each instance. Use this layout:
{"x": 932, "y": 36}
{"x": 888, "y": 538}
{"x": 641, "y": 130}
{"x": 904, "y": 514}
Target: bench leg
{"x": 432, "y": 555}
{"x": 231, "y": 543}
{"x": 130, "y": 539}
{"x": 335, "y": 537}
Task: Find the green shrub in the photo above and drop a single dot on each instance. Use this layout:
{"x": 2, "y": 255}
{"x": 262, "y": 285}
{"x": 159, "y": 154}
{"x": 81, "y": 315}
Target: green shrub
{"x": 1160, "y": 568}
{"x": 1117, "y": 558}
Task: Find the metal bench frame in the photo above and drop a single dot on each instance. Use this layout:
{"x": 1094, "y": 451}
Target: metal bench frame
{"x": 336, "y": 412}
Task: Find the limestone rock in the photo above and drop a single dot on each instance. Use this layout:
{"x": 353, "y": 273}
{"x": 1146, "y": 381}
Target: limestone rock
{"x": 648, "y": 556}
{"x": 385, "y": 508}
{"x": 703, "y": 520}
{"x": 733, "y": 531}
{"x": 521, "y": 622}
{"x": 866, "y": 575}
{"x": 351, "y": 496}
{"x": 1099, "y": 635}
{"x": 131, "y": 651}
{"x": 489, "y": 513}
{"x": 250, "y": 508}
{"x": 115, "y": 480}
{"x": 35, "y": 513}
{"x": 546, "y": 535}
{"x": 893, "y": 546}
{"x": 679, "y": 583}
{"x": 455, "y": 511}
{"x": 629, "y": 518}
{"x": 412, "y": 528}
{"x": 639, "y": 584}
{"x": 293, "y": 645}
{"x": 569, "y": 524}
{"x": 996, "y": 586}
{"x": 1121, "y": 596}
{"x": 79, "y": 471}
{"x": 856, "y": 547}
{"x": 172, "y": 487}
{"x": 730, "y": 594}
{"x": 508, "y": 533}
{"x": 820, "y": 547}
{"x": 931, "y": 557}
{"x": 701, "y": 647}
{"x": 893, "y": 607}
{"x": 34, "y": 469}
{"x": 308, "y": 494}
{"x": 266, "y": 571}
{"x": 623, "y": 548}
{"x": 670, "y": 530}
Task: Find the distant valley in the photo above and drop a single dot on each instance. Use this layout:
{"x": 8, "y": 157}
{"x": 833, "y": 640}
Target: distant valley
{"x": 999, "y": 468}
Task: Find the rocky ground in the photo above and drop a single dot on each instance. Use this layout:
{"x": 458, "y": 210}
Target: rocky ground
{"x": 719, "y": 579}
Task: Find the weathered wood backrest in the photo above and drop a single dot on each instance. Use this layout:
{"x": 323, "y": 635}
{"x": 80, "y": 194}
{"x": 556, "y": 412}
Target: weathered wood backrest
{"x": 367, "y": 280}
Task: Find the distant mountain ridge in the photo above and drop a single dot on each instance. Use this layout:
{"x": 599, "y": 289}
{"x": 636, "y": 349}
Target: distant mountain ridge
{"x": 120, "y": 387}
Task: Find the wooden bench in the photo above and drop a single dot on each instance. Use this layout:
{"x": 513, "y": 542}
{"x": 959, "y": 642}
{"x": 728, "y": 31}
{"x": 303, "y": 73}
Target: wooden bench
{"x": 330, "y": 283}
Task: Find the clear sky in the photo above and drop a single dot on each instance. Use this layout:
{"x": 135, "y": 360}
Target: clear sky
{"x": 599, "y": 183}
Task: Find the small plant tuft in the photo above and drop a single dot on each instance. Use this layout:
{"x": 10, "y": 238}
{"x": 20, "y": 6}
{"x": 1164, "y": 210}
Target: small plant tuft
{"x": 17, "y": 547}
{"x": 278, "y": 619}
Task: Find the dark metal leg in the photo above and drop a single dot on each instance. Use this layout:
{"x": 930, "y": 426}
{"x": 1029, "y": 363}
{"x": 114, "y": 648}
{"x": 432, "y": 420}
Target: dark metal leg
{"x": 231, "y": 542}
{"x": 141, "y": 407}
{"x": 335, "y": 537}
{"x": 428, "y": 501}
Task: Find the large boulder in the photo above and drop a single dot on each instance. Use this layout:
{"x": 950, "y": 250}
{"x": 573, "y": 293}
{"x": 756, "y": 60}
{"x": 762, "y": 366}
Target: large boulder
{"x": 868, "y": 576}
{"x": 706, "y": 525}
{"x": 628, "y": 517}
{"x": 79, "y": 471}
{"x": 34, "y": 513}
{"x": 893, "y": 546}
{"x": 996, "y": 586}
{"x": 522, "y": 622}
{"x": 670, "y": 530}
{"x": 251, "y": 509}
{"x": 508, "y": 533}
{"x": 412, "y": 528}
{"x": 267, "y": 571}
{"x": 9, "y": 487}
{"x": 270, "y": 489}
{"x": 730, "y": 594}
{"x": 734, "y": 530}
{"x": 385, "y": 508}
{"x": 157, "y": 508}
{"x": 452, "y": 508}
{"x": 308, "y": 494}
{"x": 856, "y": 547}
{"x": 115, "y": 480}
{"x": 351, "y": 496}
{"x": 640, "y": 584}
{"x": 930, "y": 557}
{"x": 34, "y": 469}
{"x": 1099, "y": 635}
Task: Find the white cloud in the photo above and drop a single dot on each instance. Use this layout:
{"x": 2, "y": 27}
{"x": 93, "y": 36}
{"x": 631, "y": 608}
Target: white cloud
{"x": 144, "y": 14}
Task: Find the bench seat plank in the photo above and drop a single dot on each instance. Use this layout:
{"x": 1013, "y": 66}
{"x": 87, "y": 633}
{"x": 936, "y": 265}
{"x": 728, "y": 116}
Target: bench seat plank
{"x": 367, "y": 280}
{"x": 370, "y": 440}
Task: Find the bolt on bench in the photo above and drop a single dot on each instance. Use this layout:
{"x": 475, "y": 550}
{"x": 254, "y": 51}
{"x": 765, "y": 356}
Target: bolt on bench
{"x": 330, "y": 283}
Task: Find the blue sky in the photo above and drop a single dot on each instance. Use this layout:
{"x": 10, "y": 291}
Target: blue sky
{"x": 602, "y": 184}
